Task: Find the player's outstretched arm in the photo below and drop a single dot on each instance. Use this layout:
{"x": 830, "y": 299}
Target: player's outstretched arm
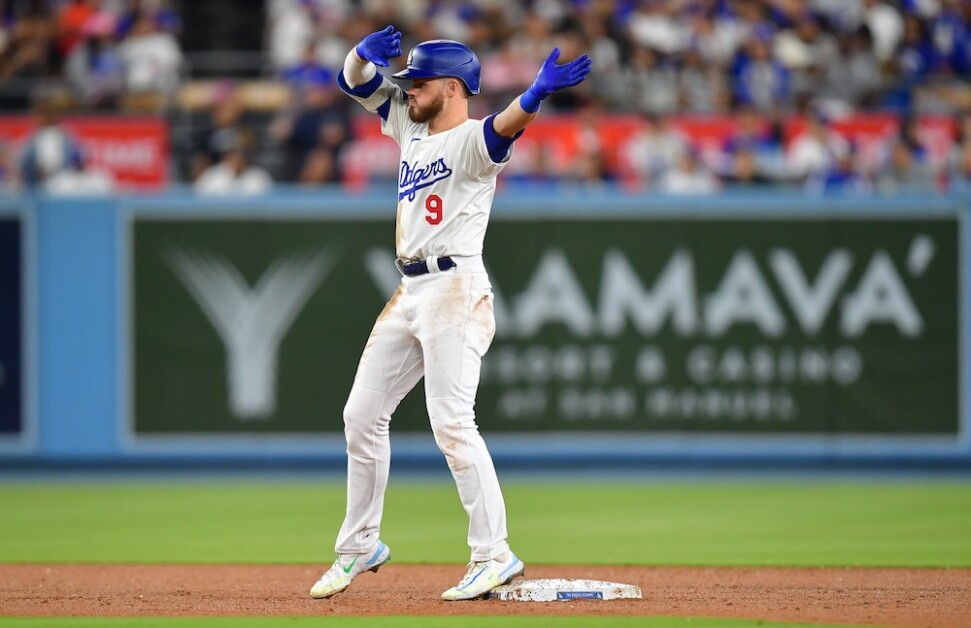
{"x": 551, "y": 78}
{"x": 375, "y": 49}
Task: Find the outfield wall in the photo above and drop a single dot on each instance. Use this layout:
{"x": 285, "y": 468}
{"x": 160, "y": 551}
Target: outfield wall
{"x": 637, "y": 328}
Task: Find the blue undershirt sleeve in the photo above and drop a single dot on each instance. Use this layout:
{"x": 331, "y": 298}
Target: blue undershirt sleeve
{"x": 498, "y": 145}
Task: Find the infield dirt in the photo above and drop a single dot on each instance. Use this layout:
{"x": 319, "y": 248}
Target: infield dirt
{"x": 938, "y": 598}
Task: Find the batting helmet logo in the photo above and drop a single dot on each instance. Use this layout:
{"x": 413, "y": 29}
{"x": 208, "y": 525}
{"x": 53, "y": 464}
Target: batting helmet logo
{"x": 443, "y": 57}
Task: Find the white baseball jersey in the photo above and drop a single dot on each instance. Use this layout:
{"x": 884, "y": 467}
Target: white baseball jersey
{"x": 446, "y": 181}
{"x": 436, "y": 327}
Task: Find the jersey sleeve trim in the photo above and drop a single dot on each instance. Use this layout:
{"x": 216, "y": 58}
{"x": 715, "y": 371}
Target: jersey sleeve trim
{"x": 361, "y": 91}
{"x": 384, "y": 109}
{"x": 497, "y": 145}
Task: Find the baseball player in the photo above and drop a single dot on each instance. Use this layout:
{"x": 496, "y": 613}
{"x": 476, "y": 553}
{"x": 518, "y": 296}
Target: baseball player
{"x": 439, "y": 322}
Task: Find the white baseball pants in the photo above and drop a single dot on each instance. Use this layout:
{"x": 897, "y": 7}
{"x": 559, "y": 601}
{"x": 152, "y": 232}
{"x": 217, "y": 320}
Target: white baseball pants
{"x": 439, "y": 326}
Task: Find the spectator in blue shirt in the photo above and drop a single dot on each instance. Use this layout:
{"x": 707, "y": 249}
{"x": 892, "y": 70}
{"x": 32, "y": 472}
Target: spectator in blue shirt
{"x": 951, "y": 36}
{"x": 49, "y": 149}
{"x": 308, "y": 71}
{"x": 761, "y": 80}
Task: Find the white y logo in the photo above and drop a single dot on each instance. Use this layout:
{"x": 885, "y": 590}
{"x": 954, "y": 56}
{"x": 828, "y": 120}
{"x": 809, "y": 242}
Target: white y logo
{"x": 251, "y": 322}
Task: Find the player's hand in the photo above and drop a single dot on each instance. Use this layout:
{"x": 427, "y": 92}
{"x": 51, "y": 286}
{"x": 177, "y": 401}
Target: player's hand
{"x": 380, "y": 47}
{"x": 553, "y": 77}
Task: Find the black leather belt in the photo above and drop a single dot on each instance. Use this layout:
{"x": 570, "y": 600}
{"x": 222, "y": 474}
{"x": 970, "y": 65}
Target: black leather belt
{"x": 420, "y": 267}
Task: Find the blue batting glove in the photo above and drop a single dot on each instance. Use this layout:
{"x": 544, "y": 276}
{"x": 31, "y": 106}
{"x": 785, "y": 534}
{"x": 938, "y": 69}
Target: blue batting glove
{"x": 380, "y": 47}
{"x": 553, "y": 77}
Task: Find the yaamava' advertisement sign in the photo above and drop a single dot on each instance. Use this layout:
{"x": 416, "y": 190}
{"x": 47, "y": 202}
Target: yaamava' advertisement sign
{"x": 829, "y": 324}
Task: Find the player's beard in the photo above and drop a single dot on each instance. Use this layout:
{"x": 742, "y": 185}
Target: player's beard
{"x": 429, "y": 111}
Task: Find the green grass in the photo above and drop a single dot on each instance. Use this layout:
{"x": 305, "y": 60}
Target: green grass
{"x": 395, "y": 622}
{"x": 873, "y": 524}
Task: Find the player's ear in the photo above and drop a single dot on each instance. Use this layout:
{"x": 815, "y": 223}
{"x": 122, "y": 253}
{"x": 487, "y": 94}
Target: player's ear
{"x": 455, "y": 87}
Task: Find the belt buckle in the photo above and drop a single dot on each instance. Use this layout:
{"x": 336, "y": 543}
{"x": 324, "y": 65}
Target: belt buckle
{"x": 404, "y": 265}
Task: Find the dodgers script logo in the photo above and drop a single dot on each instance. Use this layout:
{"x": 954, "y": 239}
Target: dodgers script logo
{"x": 414, "y": 177}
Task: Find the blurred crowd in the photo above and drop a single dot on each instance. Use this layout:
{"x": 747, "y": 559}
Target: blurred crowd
{"x": 761, "y": 63}
{"x": 103, "y": 51}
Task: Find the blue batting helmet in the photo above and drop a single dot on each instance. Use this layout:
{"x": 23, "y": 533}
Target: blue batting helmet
{"x": 440, "y": 58}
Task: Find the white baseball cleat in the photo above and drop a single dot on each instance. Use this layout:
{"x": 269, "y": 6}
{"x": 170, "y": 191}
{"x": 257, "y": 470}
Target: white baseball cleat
{"x": 485, "y": 576}
{"x": 346, "y": 568}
